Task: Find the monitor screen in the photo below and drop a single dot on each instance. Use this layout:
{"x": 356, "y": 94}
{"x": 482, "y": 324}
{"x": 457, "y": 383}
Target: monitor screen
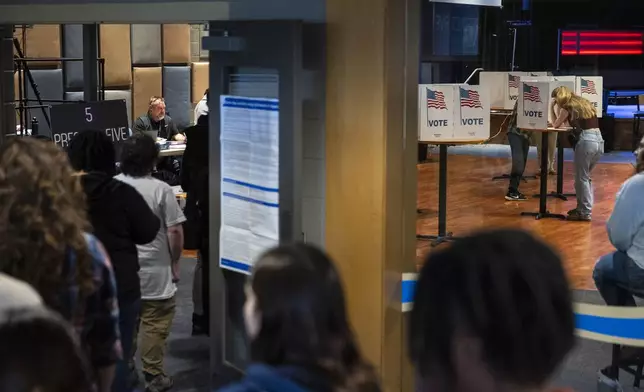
{"x": 601, "y": 43}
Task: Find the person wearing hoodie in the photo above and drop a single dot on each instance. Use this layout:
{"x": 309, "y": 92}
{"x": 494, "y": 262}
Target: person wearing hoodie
{"x": 121, "y": 219}
{"x": 296, "y": 319}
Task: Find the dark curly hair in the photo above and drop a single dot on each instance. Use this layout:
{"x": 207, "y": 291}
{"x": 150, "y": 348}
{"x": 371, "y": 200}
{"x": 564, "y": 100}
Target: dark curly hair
{"x": 92, "y": 151}
{"x": 42, "y": 218}
{"x": 502, "y": 289}
{"x": 139, "y": 155}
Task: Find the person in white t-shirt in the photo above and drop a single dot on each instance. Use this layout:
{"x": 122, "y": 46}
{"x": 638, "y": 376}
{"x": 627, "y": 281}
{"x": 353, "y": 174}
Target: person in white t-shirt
{"x": 202, "y": 106}
{"x": 159, "y": 259}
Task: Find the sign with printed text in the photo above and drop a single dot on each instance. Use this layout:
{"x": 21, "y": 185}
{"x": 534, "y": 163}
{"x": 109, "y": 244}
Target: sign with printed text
{"x": 474, "y": 113}
{"x": 591, "y": 88}
{"x": 513, "y": 80}
{"x": 71, "y": 118}
{"x": 436, "y": 112}
{"x": 533, "y": 105}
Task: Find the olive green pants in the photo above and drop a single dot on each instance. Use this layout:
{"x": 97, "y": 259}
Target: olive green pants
{"x": 153, "y": 330}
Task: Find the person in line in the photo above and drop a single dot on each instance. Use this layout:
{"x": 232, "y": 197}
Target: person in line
{"x": 156, "y": 120}
{"x": 159, "y": 260}
{"x": 296, "y": 319}
{"x": 202, "y": 106}
{"x": 194, "y": 181}
{"x": 492, "y": 313}
{"x": 44, "y": 242}
{"x": 581, "y": 114}
{"x": 519, "y": 141}
{"x": 121, "y": 219}
{"x": 40, "y": 353}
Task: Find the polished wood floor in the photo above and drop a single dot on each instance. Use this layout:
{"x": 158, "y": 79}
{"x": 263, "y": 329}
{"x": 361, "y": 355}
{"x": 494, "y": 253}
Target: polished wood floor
{"x": 474, "y": 202}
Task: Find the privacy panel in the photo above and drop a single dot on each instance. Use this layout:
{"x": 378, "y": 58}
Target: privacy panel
{"x": 146, "y": 44}
{"x": 50, "y": 86}
{"x": 73, "y": 48}
{"x": 176, "y": 44}
{"x": 115, "y": 48}
{"x": 176, "y": 90}
{"x": 147, "y": 83}
{"x": 199, "y": 81}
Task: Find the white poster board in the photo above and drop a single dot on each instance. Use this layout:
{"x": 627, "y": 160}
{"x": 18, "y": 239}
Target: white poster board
{"x": 249, "y": 180}
{"x": 540, "y": 73}
{"x": 494, "y": 84}
{"x": 474, "y": 113}
{"x": 591, "y": 88}
{"x": 436, "y": 112}
{"x": 533, "y": 105}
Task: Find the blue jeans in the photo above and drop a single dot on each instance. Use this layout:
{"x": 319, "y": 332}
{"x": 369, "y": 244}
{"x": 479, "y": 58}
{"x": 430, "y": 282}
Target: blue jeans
{"x": 587, "y": 153}
{"x": 617, "y": 276}
{"x": 128, "y": 319}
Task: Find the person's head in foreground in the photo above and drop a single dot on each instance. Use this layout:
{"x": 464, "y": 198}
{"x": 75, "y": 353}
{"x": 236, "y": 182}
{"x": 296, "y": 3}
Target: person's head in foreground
{"x": 39, "y": 353}
{"x": 297, "y": 322}
{"x": 578, "y": 107}
{"x": 139, "y": 155}
{"x": 42, "y": 218}
{"x": 92, "y": 151}
{"x": 156, "y": 108}
{"x": 492, "y": 313}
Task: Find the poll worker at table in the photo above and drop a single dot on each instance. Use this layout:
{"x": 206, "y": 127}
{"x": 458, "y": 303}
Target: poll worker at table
{"x": 581, "y": 115}
{"x": 519, "y": 146}
{"x": 156, "y": 119}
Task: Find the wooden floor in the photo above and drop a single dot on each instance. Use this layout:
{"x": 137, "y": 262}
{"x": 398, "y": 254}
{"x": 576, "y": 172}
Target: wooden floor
{"x": 474, "y": 202}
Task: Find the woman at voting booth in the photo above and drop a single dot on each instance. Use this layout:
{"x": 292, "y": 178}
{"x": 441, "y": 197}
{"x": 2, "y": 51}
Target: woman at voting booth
{"x": 589, "y": 146}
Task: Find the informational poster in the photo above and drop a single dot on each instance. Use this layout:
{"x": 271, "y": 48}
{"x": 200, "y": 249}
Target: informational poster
{"x": 249, "y": 180}
{"x": 436, "y": 112}
{"x": 474, "y": 113}
{"x": 533, "y": 105}
{"x": 591, "y": 88}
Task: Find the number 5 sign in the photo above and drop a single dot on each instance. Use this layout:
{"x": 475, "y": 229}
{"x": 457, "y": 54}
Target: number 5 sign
{"x": 107, "y": 116}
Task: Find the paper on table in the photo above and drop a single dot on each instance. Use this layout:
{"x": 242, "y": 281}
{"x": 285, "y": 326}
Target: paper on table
{"x": 250, "y": 180}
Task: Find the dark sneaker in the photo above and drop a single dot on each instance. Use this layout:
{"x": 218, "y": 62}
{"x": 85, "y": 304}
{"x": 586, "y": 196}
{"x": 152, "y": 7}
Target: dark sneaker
{"x": 159, "y": 383}
{"x": 578, "y": 216}
{"x": 573, "y": 211}
{"x": 515, "y": 196}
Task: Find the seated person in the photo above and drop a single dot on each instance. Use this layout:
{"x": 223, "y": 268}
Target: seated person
{"x": 492, "y": 313}
{"x": 156, "y": 119}
{"x": 620, "y": 273}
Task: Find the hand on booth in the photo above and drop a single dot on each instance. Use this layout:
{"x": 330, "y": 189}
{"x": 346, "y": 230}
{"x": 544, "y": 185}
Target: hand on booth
{"x": 179, "y": 137}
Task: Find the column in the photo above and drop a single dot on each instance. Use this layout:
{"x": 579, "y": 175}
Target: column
{"x": 371, "y": 152}
{"x": 90, "y": 62}
{"x": 7, "y": 110}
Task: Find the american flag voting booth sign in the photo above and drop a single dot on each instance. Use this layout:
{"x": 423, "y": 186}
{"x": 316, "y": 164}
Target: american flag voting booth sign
{"x": 503, "y": 87}
{"x": 591, "y": 88}
{"x": 533, "y": 105}
{"x": 452, "y": 112}
{"x": 554, "y": 82}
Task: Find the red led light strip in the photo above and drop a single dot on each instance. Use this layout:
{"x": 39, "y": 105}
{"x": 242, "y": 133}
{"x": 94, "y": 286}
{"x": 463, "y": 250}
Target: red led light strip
{"x": 601, "y": 43}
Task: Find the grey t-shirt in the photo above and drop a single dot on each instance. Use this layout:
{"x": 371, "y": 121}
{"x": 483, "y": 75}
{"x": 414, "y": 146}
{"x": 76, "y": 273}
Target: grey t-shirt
{"x": 155, "y": 258}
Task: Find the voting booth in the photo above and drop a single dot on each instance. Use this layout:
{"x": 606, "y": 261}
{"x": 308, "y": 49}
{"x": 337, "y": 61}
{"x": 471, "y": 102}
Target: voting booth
{"x": 503, "y": 87}
{"x": 553, "y": 83}
{"x": 533, "y": 105}
{"x": 453, "y": 112}
{"x": 591, "y": 88}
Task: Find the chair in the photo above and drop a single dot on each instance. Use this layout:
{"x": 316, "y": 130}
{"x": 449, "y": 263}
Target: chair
{"x": 637, "y": 116}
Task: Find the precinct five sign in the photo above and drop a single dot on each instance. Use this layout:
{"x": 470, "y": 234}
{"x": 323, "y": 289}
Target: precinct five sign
{"x": 107, "y": 116}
